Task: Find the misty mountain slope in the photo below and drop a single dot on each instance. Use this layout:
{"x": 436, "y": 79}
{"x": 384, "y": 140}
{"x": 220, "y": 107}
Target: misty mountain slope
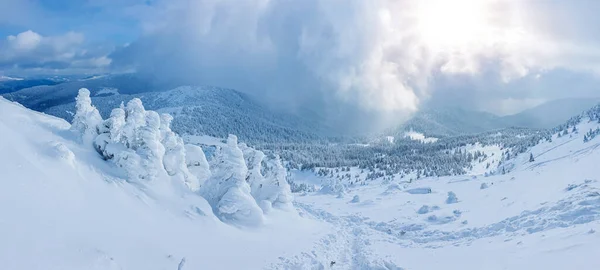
{"x": 64, "y": 207}
{"x": 550, "y": 114}
{"x": 546, "y": 209}
{"x": 451, "y": 121}
{"x": 212, "y": 111}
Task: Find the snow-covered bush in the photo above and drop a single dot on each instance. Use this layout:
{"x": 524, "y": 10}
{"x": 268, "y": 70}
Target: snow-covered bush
{"x": 451, "y": 198}
{"x": 355, "y": 199}
{"x": 227, "y": 190}
{"x": 333, "y": 185}
{"x": 87, "y": 118}
{"x": 483, "y": 186}
{"x": 423, "y": 210}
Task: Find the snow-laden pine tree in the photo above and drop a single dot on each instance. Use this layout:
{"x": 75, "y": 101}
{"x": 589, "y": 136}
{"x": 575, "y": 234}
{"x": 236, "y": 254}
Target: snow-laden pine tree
{"x": 174, "y": 158}
{"x": 254, "y": 160}
{"x": 87, "y": 118}
{"x": 276, "y": 189}
{"x": 150, "y": 147}
{"x": 227, "y": 190}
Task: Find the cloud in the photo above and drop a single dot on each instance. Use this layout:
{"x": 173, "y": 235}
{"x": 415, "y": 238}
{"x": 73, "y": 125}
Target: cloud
{"x": 351, "y": 61}
{"x": 30, "y": 51}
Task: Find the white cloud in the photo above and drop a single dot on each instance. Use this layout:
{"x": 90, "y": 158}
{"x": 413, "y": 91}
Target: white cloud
{"x": 67, "y": 53}
{"x": 25, "y": 41}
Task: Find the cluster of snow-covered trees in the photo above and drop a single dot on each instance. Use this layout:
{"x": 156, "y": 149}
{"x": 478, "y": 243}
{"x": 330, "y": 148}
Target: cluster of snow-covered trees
{"x": 240, "y": 183}
{"x": 403, "y": 157}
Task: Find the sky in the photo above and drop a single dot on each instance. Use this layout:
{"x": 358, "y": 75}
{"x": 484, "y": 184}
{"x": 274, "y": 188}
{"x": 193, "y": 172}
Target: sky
{"x": 374, "y": 61}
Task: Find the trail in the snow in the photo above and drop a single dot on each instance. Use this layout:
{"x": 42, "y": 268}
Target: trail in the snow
{"x": 346, "y": 248}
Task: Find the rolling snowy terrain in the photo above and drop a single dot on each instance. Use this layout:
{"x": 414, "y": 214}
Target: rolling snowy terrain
{"x": 124, "y": 193}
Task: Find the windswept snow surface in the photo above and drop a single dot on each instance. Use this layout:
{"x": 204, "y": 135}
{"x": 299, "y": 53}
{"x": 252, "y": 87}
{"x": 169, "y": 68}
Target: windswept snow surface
{"x": 61, "y": 207}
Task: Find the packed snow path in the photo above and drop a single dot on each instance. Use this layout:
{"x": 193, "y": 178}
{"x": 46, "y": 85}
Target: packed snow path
{"x": 345, "y": 248}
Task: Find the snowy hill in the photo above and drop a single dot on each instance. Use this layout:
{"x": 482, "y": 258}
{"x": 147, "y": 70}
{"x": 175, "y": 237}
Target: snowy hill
{"x": 64, "y": 207}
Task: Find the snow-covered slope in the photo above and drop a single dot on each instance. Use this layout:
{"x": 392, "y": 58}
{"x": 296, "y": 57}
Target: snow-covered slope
{"x": 542, "y": 214}
{"x": 64, "y": 207}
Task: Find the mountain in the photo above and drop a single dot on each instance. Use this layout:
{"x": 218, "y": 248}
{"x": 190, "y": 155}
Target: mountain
{"x": 209, "y": 111}
{"x": 451, "y": 121}
{"x": 550, "y": 114}
{"x": 43, "y": 97}
{"x": 13, "y": 85}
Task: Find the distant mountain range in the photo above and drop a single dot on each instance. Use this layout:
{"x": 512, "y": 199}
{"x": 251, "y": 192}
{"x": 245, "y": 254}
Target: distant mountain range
{"x": 218, "y": 111}
{"x": 453, "y": 121}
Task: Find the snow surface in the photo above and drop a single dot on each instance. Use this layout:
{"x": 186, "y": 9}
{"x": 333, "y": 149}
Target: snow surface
{"x": 64, "y": 207}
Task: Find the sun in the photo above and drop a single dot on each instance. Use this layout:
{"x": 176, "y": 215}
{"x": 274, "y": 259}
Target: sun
{"x": 452, "y": 24}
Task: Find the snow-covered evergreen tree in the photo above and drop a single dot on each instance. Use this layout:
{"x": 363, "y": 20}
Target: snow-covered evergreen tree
{"x": 227, "y": 190}
{"x": 87, "y": 118}
{"x": 275, "y": 191}
{"x": 197, "y": 163}
{"x": 174, "y": 158}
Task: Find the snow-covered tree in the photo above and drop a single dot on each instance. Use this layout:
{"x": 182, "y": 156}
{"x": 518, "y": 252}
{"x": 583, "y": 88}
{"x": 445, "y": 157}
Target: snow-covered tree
{"x": 275, "y": 190}
{"x": 174, "y": 158}
{"x": 451, "y": 198}
{"x": 227, "y": 190}
{"x": 335, "y": 186}
{"x": 197, "y": 163}
{"x": 87, "y": 118}
{"x": 531, "y": 158}
{"x": 149, "y": 146}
